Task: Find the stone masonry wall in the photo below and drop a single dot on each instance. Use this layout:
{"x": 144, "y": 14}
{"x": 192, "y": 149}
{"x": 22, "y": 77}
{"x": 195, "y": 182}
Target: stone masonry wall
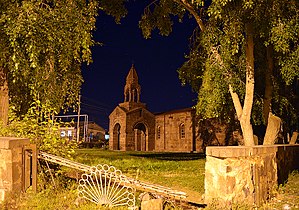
{"x": 170, "y": 139}
{"x": 246, "y": 174}
{"x": 287, "y": 161}
{"x": 11, "y": 165}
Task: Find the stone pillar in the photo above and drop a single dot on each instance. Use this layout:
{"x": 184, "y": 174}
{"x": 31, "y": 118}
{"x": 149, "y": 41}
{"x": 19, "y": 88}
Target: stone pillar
{"x": 246, "y": 175}
{"x": 13, "y": 165}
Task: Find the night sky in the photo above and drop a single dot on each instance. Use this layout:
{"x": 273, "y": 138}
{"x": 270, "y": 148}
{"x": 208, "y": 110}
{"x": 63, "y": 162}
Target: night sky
{"x": 156, "y": 61}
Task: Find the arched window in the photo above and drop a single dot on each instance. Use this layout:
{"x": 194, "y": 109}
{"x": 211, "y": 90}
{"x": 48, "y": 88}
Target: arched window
{"x": 158, "y": 132}
{"x": 182, "y": 131}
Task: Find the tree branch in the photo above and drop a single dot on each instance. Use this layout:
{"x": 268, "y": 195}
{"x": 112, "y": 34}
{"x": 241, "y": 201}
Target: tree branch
{"x": 192, "y": 11}
{"x": 147, "y": 8}
{"x": 236, "y": 102}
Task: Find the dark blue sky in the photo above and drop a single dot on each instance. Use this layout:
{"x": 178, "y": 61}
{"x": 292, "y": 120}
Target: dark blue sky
{"x": 156, "y": 61}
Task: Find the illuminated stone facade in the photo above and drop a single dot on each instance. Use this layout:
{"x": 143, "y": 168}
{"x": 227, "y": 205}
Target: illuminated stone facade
{"x": 133, "y": 127}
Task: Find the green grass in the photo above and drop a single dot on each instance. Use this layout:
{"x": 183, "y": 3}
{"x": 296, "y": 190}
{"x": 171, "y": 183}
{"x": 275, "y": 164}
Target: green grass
{"x": 184, "y": 171}
{"x": 287, "y": 194}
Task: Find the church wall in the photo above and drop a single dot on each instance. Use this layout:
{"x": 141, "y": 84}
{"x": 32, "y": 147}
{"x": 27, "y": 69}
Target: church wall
{"x": 151, "y": 130}
{"x": 148, "y": 120}
{"x": 170, "y": 137}
{"x": 117, "y": 117}
{"x": 132, "y": 118}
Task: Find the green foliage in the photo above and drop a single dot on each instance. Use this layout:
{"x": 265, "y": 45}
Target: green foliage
{"x": 286, "y": 195}
{"x": 210, "y": 75}
{"x": 212, "y": 95}
{"x": 159, "y": 15}
{"x": 43, "y": 44}
{"x": 284, "y": 36}
{"x": 39, "y": 127}
{"x": 114, "y": 8}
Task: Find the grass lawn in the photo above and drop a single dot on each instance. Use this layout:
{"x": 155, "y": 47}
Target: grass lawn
{"x": 180, "y": 171}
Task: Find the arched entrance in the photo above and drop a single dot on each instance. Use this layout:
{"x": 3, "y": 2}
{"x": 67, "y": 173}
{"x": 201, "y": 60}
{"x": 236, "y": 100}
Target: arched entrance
{"x": 116, "y": 137}
{"x": 140, "y": 137}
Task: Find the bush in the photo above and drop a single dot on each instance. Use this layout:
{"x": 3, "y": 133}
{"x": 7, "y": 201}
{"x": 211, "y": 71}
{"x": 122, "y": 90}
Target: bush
{"x": 40, "y": 129}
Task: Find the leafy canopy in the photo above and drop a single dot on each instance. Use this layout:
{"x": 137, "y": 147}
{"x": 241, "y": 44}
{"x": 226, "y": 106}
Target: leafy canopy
{"x": 222, "y": 30}
{"x": 43, "y": 44}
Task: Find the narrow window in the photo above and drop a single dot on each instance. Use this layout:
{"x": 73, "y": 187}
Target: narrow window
{"x": 158, "y": 132}
{"x": 140, "y": 113}
{"x": 182, "y": 131}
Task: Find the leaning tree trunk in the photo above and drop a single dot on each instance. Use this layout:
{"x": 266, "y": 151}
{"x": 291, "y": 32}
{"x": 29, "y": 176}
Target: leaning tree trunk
{"x": 3, "y": 97}
{"x": 294, "y": 137}
{"x": 273, "y": 129}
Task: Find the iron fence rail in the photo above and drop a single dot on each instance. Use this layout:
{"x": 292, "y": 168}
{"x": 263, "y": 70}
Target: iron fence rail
{"x": 139, "y": 185}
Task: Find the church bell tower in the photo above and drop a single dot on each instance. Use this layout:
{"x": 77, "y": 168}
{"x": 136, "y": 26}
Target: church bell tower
{"x": 132, "y": 91}
{"x": 132, "y": 88}
{"x": 131, "y": 125}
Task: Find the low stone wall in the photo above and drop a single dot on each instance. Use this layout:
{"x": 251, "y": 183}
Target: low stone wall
{"x": 247, "y": 175}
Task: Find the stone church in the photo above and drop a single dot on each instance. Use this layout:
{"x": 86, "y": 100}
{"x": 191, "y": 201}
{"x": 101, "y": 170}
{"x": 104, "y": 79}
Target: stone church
{"x": 133, "y": 127}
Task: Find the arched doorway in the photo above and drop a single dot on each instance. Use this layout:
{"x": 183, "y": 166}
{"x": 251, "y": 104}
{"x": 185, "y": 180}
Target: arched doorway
{"x": 116, "y": 137}
{"x": 140, "y": 137}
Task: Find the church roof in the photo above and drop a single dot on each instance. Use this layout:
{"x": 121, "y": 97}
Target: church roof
{"x": 132, "y": 77}
{"x": 132, "y": 88}
{"x": 189, "y": 109}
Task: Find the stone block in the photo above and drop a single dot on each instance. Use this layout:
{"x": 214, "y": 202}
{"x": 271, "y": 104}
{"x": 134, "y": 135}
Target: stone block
{"x": 11, "y": 165}
{"x": 12, "y": 142}
{"x": 154, "y": 204}
{"x": 239, "y": 151}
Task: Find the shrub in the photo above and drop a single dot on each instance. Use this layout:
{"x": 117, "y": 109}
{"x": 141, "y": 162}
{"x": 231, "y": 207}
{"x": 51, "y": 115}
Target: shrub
{"x": 40, "y": 128}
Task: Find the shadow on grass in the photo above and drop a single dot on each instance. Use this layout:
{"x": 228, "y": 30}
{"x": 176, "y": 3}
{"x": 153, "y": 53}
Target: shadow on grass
{"x": 171, "y": 156}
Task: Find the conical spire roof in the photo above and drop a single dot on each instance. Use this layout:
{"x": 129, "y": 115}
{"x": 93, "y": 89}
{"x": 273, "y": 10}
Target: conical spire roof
{"x": 132, "y": 87}
{"x": 132, "y": 77}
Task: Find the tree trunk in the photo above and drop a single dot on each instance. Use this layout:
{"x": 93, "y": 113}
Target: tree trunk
{"x": 273, "y": 129}
{"x": 294, "y": 137}
{"x": 248, "y": 101}
{"x": 273, "y": 122}
{"x": 3, "y": 97}
{"x": 244, "y": 114}
{"x": 268, "y": 84}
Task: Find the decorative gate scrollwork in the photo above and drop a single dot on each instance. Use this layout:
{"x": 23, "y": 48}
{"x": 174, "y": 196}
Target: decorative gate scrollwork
{"x": 107, "y": 186}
